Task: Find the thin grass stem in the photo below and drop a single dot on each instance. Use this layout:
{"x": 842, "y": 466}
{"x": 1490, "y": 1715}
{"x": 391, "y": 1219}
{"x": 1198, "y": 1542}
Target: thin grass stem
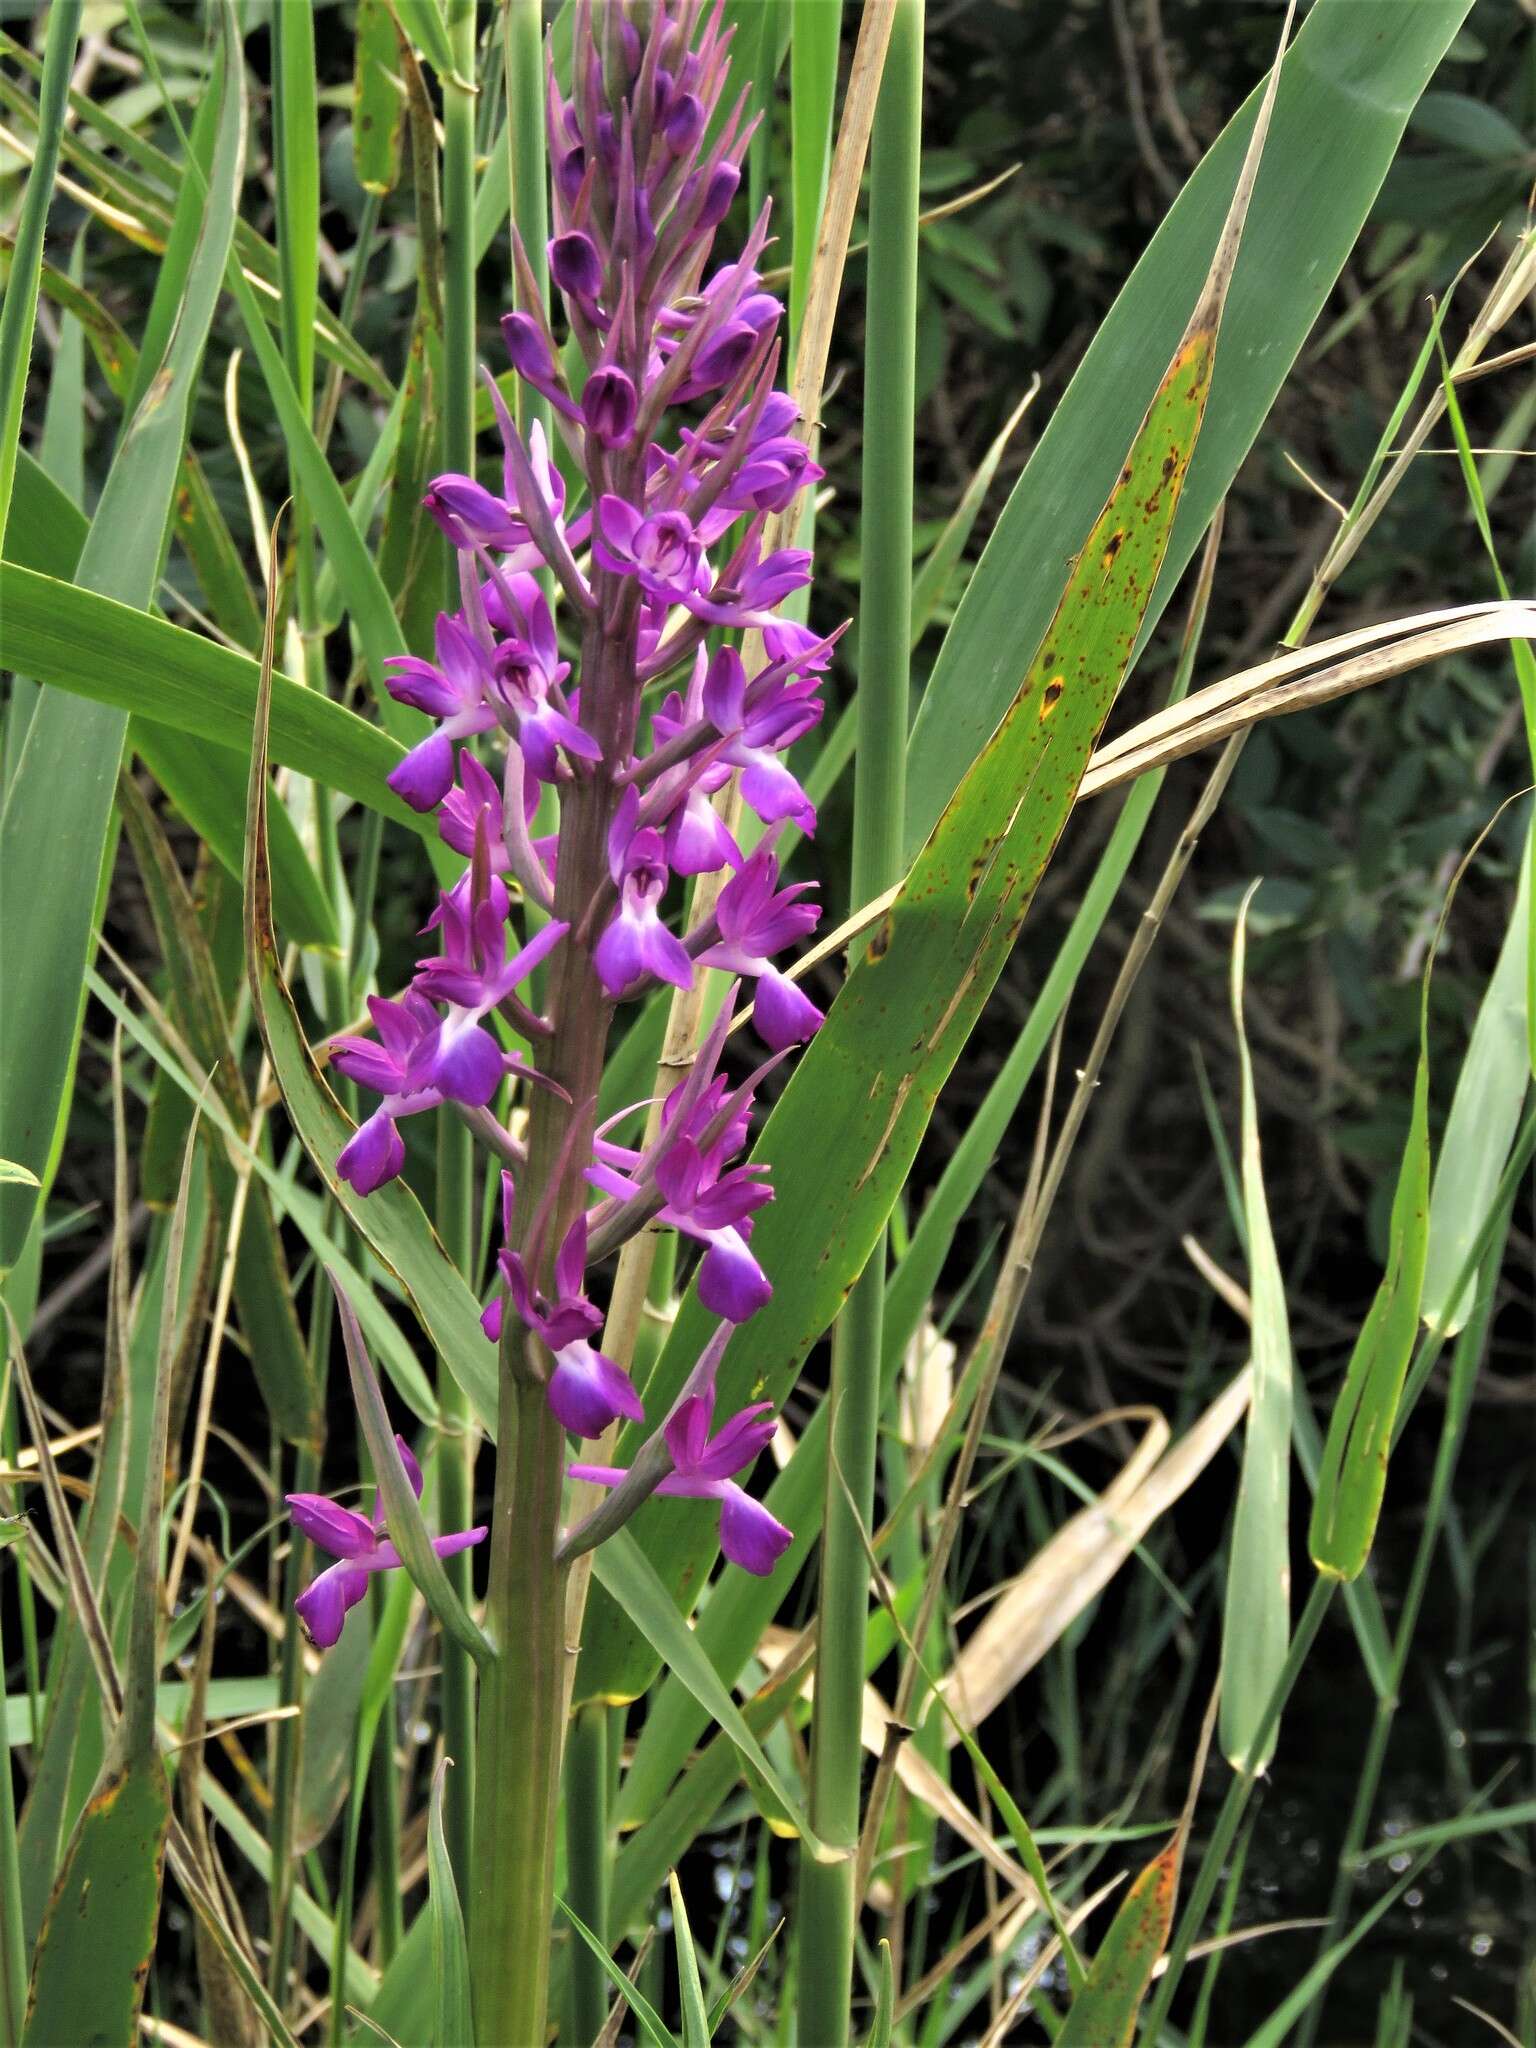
{"x": 828, "y": 1903}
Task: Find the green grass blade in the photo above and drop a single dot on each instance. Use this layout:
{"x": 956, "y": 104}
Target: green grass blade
{"x": 1352, "y": 1478}
{"x": 650, "y": 2022}
{"x": 828, "y": 1907}
{"x": 68, "y": 773}
{"x": 109, "y": 654}
{"x": 94, "y": 1947}
{"x": 263, "y": 1288}
{"x": 1480, "y": 1128}
{"x": 407, "y": 1529}
{"x": 1347, "y": 89}
{"x": 424, "y": 23}
{"x": 696, "y": 2028}
{"x": 815, "y": 35}
{"x": 1256, "y": 1622}
{"x": 885, "y": 2000}
{"x": 378, "y": 110}
{"x": 296, "y": 182}
{"x": 181, "y": 238}
{"x": 367, "y": 599}
{"x": 1458, "y": 1828}
{"x": 632, "y": 1580}
{"x": 454, "y": 2026}
{"x": 18, "y": 314}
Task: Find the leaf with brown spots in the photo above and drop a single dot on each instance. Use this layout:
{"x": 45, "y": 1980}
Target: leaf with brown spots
{"x": 841, "y": 1139}
{"x": 1103, "y": 2014}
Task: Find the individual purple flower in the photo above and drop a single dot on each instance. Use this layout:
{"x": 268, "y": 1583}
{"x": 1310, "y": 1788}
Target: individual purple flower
{"x": 715, "y": 1209}
{"x": 703, "y": 1127}
{"x": 757, "y": 728}
{"x": 636, "y": 943}
{"x": 507, "y": 815}
{"x": 609, "y": 406}
{"x": 362, "y": 1547}
{"x": 575, "y": 265}
{"x": 528, "y": 675}
{"x": 376, "y": 1152}
{"x": 704, "y": 1468}
{"x": 534, "y": 360}
{"x": 473, "y": 976}
{"x": 586, "y": 1390}
{"x": 746, "y": 592}
{"x": 756, "y": 918}
{"x": 453, "y": 690}
{"x": 660, "y": 549}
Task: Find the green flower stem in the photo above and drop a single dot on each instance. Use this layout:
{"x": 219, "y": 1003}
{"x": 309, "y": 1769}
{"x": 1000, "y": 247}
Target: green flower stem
{"x": 455, "y": 1145}
{"x": 384, "y": 1805}
{"x": 586, "y": 1862}
{"x": 522, "y": 1711}
{"x": 828, "y": 1905}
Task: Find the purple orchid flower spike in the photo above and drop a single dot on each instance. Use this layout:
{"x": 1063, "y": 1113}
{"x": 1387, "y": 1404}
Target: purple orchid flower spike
{"x": 636, "y": 943}
{"x": 757, "y": 918}
{"x": 361, "y": 1545}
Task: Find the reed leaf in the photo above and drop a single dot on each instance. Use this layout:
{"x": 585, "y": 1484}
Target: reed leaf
{"x": 1256, "y": 1621}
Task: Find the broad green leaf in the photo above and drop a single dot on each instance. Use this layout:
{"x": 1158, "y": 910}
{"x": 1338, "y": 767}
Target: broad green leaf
{"x": 93, "y": 1952}
{"x": 1103, "y": 2014}
{"x": 1485, "y": 1110}
{"x": 60, "y": 803}
{"x": 1256, "y": 1622}
{"x": 95, "y": 649}
{"x": 1347, "y": 86}
{"x": 18, "y": 315}
{"x": 454, "y": 2026}
{"x": 917, "y": 984}
{"x": 378, "y": 106}
{"x": 632, "y": 1580}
